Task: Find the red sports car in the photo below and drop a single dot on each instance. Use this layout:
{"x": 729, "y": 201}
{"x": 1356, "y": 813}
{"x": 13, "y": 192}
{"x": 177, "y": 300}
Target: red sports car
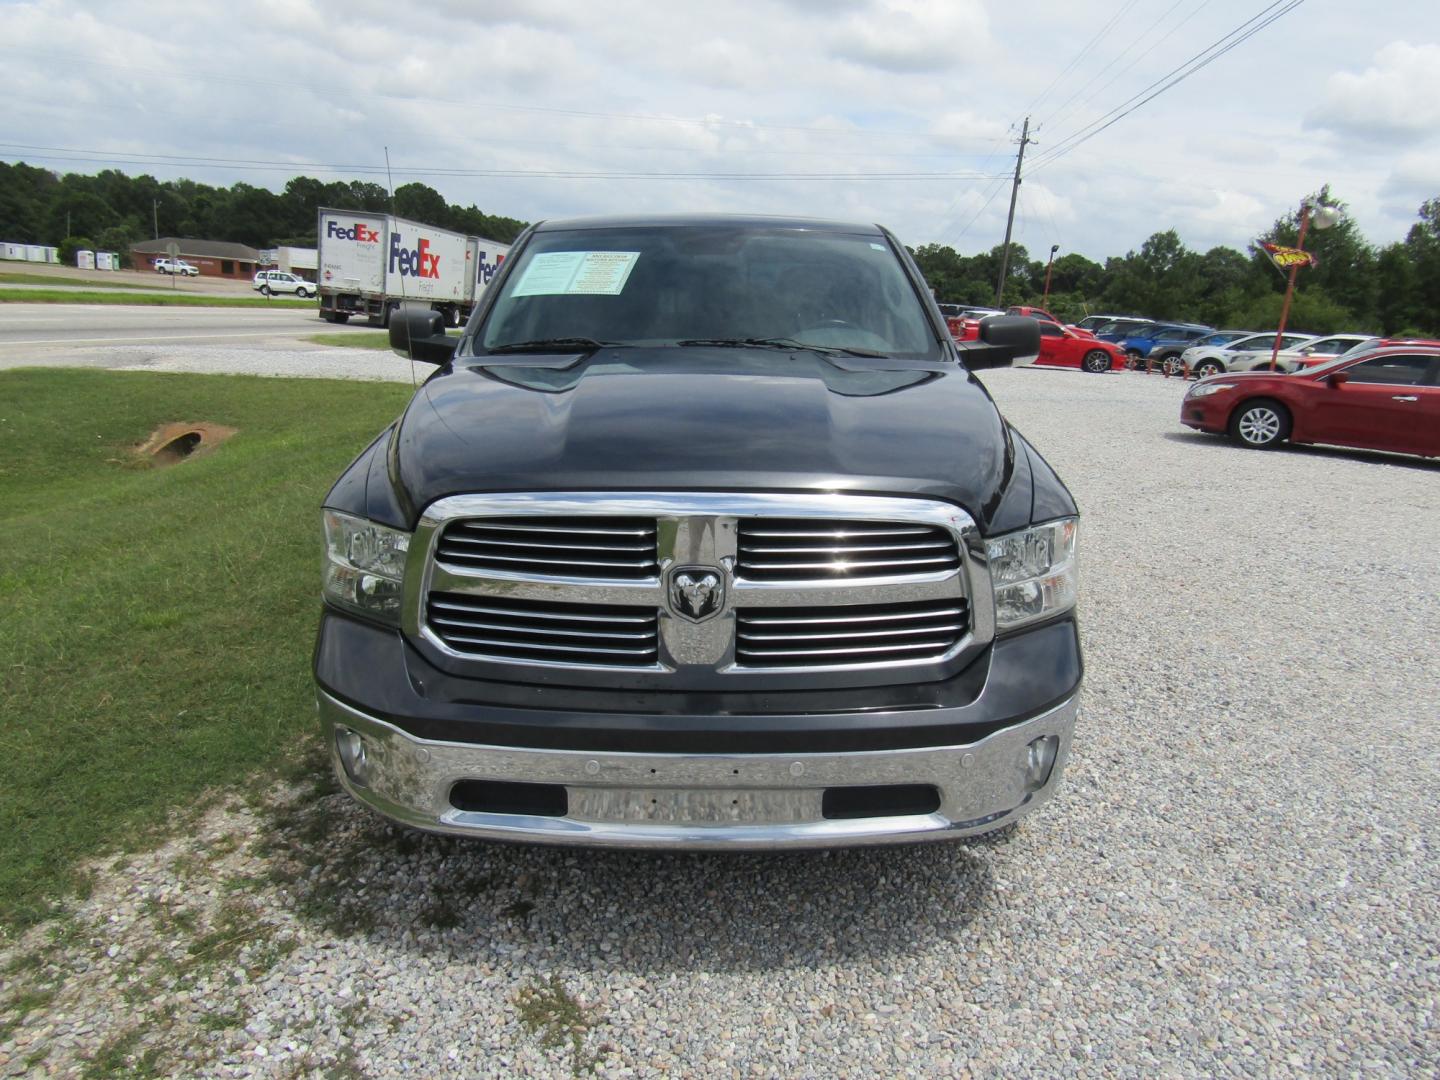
{"x": 1062, "y": 346}
{"x": 1386, "y": 399}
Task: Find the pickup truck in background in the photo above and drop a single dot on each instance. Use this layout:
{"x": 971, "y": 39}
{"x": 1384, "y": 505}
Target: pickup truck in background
{"x": 371, "y": 264}
{"x": 702, "y": 535}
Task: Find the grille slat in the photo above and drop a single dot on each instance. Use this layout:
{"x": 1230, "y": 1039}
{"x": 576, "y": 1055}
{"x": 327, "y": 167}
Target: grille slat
{"x": 758, "y": 618}
{"x": 509, "y": 525}
{"x": 782, "y": 549}
{"x": 586, "y": 547}
{"x": 761, "y": 531}
{"x": 573, "y": 546}
{"x": 868, "y": 634}
{"x": 608, "y": 635}
{"x": 836, "y": 549}
{"x": 538, "y": 631}
{"x": 479, "y": 608}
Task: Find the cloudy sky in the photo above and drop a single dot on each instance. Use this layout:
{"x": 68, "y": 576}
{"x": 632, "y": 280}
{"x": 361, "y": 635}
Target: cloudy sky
{"x": 898, "y": 111}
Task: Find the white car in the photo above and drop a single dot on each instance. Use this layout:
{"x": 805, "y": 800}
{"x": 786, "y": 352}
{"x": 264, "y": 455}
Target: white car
{"x": 176, "y": 266}
{"x": 277, "y": 281}
{"x": 1208, "y": 360}
{"x": 1291, "y": 359}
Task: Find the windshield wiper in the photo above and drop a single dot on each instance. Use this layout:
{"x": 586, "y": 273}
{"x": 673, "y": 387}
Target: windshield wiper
{"x": 552, "y": 344}
{"x": 779, "y": 343}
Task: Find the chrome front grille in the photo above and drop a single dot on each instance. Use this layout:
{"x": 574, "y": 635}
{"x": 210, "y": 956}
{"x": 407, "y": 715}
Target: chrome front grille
{"x": 621, "y": 548}
{"x": 612, "y": 588}
{"x": 789, "y": 549}
{"x": 608, "y": 635}
{"x": 860, "y": 634}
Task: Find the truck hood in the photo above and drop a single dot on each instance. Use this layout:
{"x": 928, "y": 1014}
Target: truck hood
{"x": 707, "y": 419}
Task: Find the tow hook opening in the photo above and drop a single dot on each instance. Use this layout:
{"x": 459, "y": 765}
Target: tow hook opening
{"x": 879, "y": 800}
{"x": 510, "y": 797}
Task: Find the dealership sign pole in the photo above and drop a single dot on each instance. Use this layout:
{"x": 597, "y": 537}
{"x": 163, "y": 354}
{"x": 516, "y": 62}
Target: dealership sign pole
{"x": 1296, "y": 257}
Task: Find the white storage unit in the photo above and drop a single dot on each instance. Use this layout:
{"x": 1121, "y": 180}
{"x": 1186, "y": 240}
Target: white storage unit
{"x": 52, "y": 255}
{"x": 85, "y": 260}
{"x": 11, "y": 251}
{"x": 34, "y": 253}
{"x": 102, "y": 260}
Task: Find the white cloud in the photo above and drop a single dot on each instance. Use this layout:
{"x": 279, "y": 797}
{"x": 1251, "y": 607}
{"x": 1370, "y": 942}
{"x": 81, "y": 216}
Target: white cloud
{"x": 1396, "y": 98}
{"x": 914, "y": 36}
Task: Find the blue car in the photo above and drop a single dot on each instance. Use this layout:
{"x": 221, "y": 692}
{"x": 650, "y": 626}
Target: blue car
{"x": 1155, "y": 344}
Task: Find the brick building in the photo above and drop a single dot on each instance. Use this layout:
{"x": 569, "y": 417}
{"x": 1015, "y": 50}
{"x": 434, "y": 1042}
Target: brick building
{"x": 213, "y": 258}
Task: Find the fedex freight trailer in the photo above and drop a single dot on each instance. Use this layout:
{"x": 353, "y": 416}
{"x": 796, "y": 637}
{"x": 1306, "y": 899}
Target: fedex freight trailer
{"x": 370, "y": 264}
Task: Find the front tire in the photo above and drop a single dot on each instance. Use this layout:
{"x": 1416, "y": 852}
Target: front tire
{"x": 1206, "y": 368}
{"x": 1096, "y": 361}
{"x": 1260, "y": 425}
{"x": 264, "y": 290}
{"x": 1172, "y": 366}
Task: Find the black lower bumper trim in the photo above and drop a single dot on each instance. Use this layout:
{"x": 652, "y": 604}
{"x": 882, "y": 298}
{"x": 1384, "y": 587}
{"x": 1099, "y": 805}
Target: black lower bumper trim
{"x": 1020, "y": 676}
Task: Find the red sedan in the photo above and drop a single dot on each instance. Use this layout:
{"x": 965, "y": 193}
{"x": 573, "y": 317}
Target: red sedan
{"x": 1387, "y": 399}
{"x": 1060, "y": 346}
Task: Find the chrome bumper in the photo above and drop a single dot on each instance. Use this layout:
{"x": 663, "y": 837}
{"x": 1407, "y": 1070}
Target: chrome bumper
{"x": 699, "y": 801}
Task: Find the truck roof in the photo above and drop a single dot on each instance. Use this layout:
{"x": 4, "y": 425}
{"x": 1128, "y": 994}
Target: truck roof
{"x": 633, "y": 221}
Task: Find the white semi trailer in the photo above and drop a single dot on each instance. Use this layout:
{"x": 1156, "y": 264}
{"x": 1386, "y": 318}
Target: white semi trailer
{"x": 370, "y": 264}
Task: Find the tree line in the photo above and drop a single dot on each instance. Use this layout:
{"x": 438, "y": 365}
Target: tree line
{"x": 109, "y": 211}
{"x": 1354, "y": 285}
{"x": 1393, "y": 289}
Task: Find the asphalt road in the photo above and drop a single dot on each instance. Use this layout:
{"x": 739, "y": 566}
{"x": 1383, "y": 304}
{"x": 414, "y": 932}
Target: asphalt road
{"x": 28, "y": 331}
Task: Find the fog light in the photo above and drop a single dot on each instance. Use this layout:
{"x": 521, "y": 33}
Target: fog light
{"x": 352, "y": 755}
{"x": 1039, "y": 760}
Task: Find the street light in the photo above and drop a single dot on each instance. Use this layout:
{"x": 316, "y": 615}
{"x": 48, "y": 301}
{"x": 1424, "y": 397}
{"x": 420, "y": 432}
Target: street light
{"x": 1323, "y": 217}
{"x": 1053, "y": 248}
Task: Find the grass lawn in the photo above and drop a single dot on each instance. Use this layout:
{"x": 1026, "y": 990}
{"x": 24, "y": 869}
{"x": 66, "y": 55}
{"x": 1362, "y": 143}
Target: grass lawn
{"x": 157, "y": 623}
{"x": 59, "y": 279}
{"x": 160, "y": 298}
{"x": 355, "y": 339}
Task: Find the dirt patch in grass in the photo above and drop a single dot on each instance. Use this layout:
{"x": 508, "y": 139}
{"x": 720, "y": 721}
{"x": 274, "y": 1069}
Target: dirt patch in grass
{"x": 172, "y": 443}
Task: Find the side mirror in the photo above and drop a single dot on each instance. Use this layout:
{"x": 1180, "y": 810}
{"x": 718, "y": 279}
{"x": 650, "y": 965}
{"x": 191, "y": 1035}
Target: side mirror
{"x": 1339, "y": 379}
{"x": 1003, "y": 340}
{"x": 420, "y": 335}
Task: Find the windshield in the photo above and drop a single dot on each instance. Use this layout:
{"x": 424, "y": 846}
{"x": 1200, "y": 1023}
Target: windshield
{"x": 666, "y": 285}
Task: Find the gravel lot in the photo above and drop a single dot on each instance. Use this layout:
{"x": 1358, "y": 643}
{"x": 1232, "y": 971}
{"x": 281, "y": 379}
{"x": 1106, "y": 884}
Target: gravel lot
{"x": 1238, "y": 877}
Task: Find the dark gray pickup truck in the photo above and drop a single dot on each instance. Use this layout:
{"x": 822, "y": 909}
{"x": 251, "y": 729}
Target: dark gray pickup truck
{"x": 702, "y": 535}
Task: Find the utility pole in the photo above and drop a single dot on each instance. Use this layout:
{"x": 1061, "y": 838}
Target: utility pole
{"x": 155, "y": 209}
{"x": 1010, "y": 221}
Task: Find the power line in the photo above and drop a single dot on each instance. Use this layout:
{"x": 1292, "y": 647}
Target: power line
{"x": 1084, "y": 51}
{"x": 1174, "y": 77}
{"x": 1065, "y": 111}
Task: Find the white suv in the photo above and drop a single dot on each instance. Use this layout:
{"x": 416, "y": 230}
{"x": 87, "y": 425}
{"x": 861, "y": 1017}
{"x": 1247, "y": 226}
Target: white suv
{"x": 176, "y": 266}
{"x": 277, "y": 281}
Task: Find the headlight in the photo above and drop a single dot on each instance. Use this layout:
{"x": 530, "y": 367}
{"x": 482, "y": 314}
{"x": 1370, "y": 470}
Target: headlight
{"x": 1206, "y": 389}
{"x": 1033, "y": 572}
{"x": 364, "y": 566}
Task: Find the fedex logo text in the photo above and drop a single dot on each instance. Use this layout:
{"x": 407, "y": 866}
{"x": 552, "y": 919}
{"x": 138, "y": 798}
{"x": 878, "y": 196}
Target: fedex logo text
{"x": 413, "y": 262}
{"x": 359, "y": 231}
{"x": 486, "y": 270}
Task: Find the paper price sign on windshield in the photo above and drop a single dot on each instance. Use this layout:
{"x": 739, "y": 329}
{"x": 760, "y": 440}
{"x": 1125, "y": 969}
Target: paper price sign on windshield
{"x": 580, "y": 273}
